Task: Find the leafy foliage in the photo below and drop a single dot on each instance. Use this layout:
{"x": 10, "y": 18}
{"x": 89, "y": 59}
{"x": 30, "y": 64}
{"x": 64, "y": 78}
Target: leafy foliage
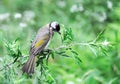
{"x": 88, "y": 53}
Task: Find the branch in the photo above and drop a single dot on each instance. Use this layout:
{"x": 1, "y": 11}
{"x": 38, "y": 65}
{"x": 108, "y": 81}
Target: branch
{"x": 86, "y": 43}
{"x": 75, "y": 44}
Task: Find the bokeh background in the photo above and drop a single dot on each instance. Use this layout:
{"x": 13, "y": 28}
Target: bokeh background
{"x": 20, "y": 19}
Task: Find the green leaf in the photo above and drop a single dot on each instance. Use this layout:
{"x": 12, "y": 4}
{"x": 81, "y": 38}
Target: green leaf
{"x": 52, "y": 55}
{"x": 74, "y": 52}
{"x": 77, "y": 59}
{"x": 67, "y": 35}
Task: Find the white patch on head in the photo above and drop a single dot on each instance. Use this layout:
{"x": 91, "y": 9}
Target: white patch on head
{"x": 53, "y": 24}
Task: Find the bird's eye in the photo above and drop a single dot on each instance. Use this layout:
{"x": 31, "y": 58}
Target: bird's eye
{"x": 57, "y": 27}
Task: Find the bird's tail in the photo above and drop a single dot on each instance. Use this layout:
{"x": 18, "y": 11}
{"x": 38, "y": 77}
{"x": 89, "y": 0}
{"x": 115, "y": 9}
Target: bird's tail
{"x": 29, "y": 65}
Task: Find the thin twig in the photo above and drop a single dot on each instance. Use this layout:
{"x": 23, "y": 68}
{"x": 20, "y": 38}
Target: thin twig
{"x": 7, "y": 65}
{"x": 99, "y": 35}
{"x": 74, "y": 44}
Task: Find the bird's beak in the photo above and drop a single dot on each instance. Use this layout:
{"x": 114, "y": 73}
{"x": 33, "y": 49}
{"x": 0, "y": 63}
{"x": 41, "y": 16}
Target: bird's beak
{"x": 59, "y": 32}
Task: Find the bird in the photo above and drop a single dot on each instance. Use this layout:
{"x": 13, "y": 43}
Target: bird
{"x": 40, "y": 42}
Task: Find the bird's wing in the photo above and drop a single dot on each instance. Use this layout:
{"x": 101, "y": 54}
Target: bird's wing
{"x": 39, "y": 45}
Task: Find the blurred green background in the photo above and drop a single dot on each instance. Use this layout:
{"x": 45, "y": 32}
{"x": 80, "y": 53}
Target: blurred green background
{"x": 87, "y": 18}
